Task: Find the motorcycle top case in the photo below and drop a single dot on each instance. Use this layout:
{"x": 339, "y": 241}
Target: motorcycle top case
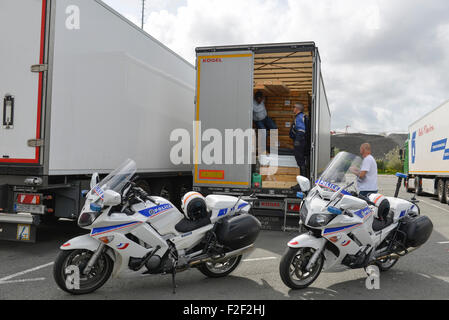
{"x": 418, "y": 230}
{"x": 239, "y": 231}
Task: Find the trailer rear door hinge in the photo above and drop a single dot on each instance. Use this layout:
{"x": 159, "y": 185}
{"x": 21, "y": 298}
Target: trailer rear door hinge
{"x": 39, "y": 67}
{"x": 34, "y": 143}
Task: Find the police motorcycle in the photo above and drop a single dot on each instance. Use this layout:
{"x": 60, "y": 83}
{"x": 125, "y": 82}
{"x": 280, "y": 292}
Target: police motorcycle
{"x": 133, "y": 233}
{"x": 344, "y": 230}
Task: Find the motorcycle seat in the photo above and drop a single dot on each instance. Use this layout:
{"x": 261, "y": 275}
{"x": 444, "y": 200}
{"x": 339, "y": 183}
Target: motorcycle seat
{"x": 379, "y": 224}
{"x": 187, "y": 225}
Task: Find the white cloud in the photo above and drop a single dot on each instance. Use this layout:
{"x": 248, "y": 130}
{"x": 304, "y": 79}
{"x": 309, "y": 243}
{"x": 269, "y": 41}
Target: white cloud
{"x": 384, "y": 62}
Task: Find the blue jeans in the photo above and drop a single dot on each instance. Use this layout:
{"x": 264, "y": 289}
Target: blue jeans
{"x": 266, "y": 123}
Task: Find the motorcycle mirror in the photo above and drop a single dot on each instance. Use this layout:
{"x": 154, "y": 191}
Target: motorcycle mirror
{"x": 94, "y": 180}
{"x": 112, "y": 198}
{"x": 304, "y": 183}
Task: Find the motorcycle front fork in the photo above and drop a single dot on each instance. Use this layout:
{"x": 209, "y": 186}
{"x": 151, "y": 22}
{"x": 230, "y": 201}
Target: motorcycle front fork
{"x": 316, "y": 255}
{"x": 93, "y": 259}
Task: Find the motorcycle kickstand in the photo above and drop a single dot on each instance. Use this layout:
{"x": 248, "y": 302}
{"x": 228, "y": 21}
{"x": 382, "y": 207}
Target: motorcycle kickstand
{"x": 174, "y": 277}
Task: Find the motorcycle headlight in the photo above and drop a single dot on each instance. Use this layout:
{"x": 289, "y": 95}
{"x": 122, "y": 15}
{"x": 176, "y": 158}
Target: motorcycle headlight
{"x": 320, "y": 220}
{"x": 87, "y": 218}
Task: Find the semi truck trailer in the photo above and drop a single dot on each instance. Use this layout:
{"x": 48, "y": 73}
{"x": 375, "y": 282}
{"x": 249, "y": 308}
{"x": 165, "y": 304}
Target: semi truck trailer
{"x": 83, "y": 89}
{"x": 227, "y": 79}
{"x": 427, "y": 154}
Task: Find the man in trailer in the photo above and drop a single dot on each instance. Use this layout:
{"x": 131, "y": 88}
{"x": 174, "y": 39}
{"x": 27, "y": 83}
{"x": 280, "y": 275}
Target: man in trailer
{"x": 299, "y": 135}
{"x": 260, "y": 115}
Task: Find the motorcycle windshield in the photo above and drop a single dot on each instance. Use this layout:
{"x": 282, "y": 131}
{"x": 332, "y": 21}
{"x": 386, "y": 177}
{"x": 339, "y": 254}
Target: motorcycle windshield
{"x": 117, "y": 179}
{"x": 341, "y": 172}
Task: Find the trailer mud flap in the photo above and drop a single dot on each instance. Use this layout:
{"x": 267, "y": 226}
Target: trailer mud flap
{"x": 19, "y": 228}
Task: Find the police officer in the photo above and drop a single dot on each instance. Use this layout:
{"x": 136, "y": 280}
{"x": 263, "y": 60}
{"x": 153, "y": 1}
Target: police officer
{"x": 299, "y": 135}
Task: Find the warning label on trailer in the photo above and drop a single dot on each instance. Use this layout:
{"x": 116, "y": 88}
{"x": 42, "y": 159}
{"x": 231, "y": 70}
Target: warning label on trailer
{"x": 23, "y": 232}
{"x": 212, "y": 174}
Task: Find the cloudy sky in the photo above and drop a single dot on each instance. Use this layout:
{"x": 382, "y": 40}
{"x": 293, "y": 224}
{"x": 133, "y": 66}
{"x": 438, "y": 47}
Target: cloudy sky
{"x": 385, "y": 62}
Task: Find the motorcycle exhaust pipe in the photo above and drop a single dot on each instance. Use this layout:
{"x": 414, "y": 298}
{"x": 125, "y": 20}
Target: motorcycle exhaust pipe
{"x": 225, "y": 257}
{"x": 395, "y": 255}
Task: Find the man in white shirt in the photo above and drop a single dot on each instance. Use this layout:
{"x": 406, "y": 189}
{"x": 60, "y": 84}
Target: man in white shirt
{"x": 260, "y": 115}
{"x": 367, "y": 177}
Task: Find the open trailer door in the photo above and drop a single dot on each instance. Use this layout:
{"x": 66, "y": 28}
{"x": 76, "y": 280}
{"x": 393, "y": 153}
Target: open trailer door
{"x": 23, "y": 25}
{"x": 320, "y": 123}
{"x": 224, "y": 104}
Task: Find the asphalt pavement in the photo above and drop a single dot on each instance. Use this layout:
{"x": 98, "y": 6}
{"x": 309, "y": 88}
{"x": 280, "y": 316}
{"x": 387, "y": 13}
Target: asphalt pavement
{"x": 26, "y": 270}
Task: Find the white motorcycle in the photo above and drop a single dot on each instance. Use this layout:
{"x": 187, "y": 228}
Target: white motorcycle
{"x": 345, "y": 230}
{"x": 132, "y": 233}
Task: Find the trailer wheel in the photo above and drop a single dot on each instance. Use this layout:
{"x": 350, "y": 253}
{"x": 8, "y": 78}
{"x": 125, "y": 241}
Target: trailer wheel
{"x": 418, "y": 187}
{"x": 407, "y": 185}
{"x": 442, "y": 191}
{"x": 446, "y": 190}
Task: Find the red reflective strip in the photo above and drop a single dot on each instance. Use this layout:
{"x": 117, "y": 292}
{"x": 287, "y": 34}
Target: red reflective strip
{"x": 39, "y": 101}
{"x": 39, "y": 98}
{"x": 193, "y": 194}
{"x": 66, "y": 245}
{"x": 295, "y": 207}
{"x": 375, "y": 201}
{"x": 294, "y": 243}
{"x": 28, "y": 198}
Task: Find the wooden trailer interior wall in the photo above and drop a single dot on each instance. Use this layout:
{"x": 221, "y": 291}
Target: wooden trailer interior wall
{"x": 285, "y": 79}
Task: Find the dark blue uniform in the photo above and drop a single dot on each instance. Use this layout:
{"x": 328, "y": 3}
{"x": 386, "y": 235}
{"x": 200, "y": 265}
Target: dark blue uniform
{"x": 300, "y": 142}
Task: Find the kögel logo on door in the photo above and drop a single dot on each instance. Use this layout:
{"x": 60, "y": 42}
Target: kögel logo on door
{"x": 212, "y": 60}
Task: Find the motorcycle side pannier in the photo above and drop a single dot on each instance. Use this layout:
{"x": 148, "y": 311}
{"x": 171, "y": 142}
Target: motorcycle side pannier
{"x": 418, "y": 230}
{"x": 239, "y": 231}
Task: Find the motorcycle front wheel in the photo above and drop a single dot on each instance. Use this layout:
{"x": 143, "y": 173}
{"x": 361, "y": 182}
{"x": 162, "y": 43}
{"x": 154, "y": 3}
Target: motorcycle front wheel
{"x": 293, "y": 265}
{"x": 68, "y": 271}
{"x": 219, "y": 269}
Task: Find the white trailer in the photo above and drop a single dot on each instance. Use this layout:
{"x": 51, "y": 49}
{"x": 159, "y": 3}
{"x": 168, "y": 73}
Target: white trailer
{"x": 428, "y": 155}
{"x": 83, "y": 89}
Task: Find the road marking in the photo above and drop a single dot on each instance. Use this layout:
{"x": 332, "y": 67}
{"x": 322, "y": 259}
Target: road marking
{"x": 260, "y": 259}
{"x": 26, "y": 271}
{"x": 21, "y": 281}
{"x": 434, "y": 205}
{"x": 444, "y": 242}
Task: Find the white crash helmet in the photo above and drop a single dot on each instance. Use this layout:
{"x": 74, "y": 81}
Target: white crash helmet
{"x": 194, "y": 206}
{"x": 382, "y": 204}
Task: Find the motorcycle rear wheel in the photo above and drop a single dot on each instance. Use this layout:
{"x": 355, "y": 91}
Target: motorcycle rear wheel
{"x": 96, "y": 278}
{"x": 219, "y": 269}
{"x": 293, "y": 264}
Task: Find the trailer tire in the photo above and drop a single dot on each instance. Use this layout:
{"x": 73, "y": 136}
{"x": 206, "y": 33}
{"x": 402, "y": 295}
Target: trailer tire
{"x": 441, "y": 191}
{"x": 446, "y": 190}
{"x": 418, "y": 187}
{"x": 407, "y": 185}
